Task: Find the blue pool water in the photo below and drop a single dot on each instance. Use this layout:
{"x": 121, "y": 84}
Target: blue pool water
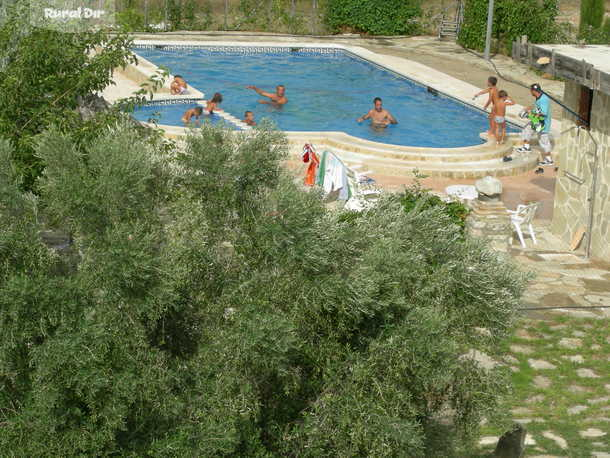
{"x": 172, "y": 114}
{"x": 326, "y": 92}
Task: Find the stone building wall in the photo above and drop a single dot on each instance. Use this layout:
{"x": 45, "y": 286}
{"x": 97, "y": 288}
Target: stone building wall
{"x": 575, "y": 150}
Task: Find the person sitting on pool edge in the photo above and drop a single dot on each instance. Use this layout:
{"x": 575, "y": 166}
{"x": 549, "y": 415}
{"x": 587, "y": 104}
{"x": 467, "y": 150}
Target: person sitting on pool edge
{"x": 189, "y": 114}
{"x": 213, "y": 103}
{"x": 278, "y": 99}
{"x": 379, "y": 116}
{"x": 249, "y": 118}
{"x": 178, "y": 85}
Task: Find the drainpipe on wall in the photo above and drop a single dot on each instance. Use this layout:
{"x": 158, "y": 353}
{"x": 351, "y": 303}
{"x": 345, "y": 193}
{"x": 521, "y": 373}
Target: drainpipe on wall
{"x": 593, "y": 191}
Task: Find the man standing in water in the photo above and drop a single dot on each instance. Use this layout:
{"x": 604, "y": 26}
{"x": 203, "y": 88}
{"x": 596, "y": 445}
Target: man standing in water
{"x": 277, "y": 100}
{"x": 379, "y": 116}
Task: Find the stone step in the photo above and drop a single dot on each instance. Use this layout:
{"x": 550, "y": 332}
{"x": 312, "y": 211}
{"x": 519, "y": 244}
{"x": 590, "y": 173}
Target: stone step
{"x": 405, "y": 153}
{"x": 470, "y": 169}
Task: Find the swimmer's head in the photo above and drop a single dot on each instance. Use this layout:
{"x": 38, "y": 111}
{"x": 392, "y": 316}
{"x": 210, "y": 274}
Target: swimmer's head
{"x": 280, "y": 90}
{"x": 502, "y": 94}
{"x": 248, "y": 115}
{"x": 217, "y": 98}
{"x": 492, "y": 81}
{"x": 377, "y": 102}
{"x": 199, "y": 110}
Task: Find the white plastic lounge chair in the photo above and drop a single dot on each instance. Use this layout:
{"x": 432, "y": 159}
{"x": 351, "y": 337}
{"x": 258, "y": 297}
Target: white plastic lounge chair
{"x": 522, "y": 217}
{"x": 364, "y": 192}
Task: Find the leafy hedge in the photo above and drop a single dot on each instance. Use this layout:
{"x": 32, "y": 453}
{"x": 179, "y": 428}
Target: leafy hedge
{"x": 592, "y": 28}
{"x": 591, "y": 14}
{"x": 512, "y": 19}
{"x": 376, "y": 17}
{"x": 419, "y": 199}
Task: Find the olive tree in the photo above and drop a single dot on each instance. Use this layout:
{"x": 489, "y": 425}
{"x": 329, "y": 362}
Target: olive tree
{"x": 209, "y": 306}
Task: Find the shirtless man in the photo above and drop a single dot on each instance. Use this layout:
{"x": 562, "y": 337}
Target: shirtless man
{"x": 492, "y": 90}
{"x": 189, "y": 114}
{"x": 278, "y": 99}
{"x": 379, "y": 116}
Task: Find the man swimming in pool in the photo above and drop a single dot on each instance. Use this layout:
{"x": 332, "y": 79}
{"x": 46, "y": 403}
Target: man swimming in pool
{"x": 379, "y": 116}
{"x": 192, "y": 113}
{"x": 278, "y": 99}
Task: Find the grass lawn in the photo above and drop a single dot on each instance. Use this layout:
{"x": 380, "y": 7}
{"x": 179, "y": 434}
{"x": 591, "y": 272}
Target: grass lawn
{"x": 565, "y": 411}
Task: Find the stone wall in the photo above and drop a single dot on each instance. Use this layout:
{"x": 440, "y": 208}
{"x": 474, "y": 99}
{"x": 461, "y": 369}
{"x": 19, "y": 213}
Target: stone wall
{"x": 575, "y": 150}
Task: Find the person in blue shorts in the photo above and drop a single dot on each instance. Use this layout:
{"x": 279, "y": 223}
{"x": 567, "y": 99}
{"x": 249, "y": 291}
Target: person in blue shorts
{"x": 539, "y": 124}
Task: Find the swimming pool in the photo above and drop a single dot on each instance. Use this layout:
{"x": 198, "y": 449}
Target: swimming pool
{"x": 327, "y": 88}
{"x": 171, "y": 114}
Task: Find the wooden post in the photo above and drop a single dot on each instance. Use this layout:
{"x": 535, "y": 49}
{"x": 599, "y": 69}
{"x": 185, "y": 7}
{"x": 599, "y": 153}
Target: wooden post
{"x": 553, "y": 62}
{"x": 516, "y": 51}
{"x": 529, "y": 53}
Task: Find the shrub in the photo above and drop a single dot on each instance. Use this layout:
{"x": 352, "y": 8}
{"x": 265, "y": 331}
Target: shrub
{"x": 417, "y": 198}
{"x": 512, "y": 19}
{"x": 130, "y": 20}
{"x": 213, "y": 308}
{"x": 376, "y": 17}
{"x": 43, "y": 75}
{"x": 591, "y": 14}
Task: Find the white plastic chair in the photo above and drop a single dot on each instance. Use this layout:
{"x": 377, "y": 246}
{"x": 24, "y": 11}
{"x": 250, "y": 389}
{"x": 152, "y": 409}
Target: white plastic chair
{"x": 522, "y": 217}
{"x": 364, "y": 193}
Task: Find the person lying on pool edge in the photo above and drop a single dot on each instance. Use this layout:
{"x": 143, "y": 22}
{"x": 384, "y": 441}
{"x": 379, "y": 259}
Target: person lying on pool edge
{"x": 278, "y": 99}
{"x": 379, "y": 116}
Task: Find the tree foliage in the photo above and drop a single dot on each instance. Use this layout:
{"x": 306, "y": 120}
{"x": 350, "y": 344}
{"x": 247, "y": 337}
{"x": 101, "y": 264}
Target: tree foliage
{"x": 512, "y": 19}
{"x": 593, "y": 29}
{"x": 591, "y": 14}
{"x": 210, "y": 307}
{"x": 375, "y": 17}
{"x": 43, "y": 75}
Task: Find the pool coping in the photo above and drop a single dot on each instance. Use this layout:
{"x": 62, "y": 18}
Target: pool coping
{"x": 416, "y": 73}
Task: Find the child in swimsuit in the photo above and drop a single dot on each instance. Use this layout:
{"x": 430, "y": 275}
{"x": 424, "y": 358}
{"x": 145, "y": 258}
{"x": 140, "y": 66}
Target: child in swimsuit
{"x": 249, "y": 118}
{"x": 213, "y": 103}
{"x": 500, "y": 115}
{"x": 178, "y": 86}
{"x": 193, "y": 112}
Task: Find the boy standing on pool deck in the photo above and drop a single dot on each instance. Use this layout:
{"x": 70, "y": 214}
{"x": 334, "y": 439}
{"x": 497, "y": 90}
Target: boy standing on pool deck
{"x": 492, "y": 90}
{"x": 500, "y": 118}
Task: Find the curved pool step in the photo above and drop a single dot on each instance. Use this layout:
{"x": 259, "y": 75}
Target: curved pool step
{"x": 482, "y": 152}
{"x": 521, "y": 163}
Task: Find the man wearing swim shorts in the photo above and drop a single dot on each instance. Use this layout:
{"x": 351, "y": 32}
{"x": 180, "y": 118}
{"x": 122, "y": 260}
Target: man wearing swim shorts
{"x": 278, "y": 99}
{"x": 543, "y": 108}
{"x": 379, "y": 116}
